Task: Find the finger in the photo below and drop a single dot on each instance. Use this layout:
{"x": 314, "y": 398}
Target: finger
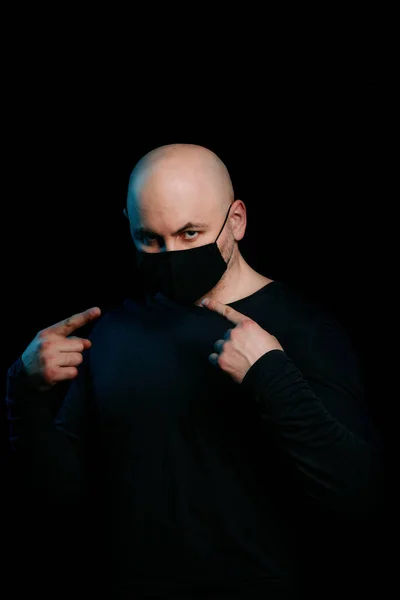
{"x": 213, "y": 358}
{"x": 60, "y": 344}
{"x": 218, "y": 346}
{"x": 69, "y": 359}
{"x": 69, "y": 325}
{"x": 226, "y": 311}
{"x": 86, "y": 343}
{"x": 64, "y": 373}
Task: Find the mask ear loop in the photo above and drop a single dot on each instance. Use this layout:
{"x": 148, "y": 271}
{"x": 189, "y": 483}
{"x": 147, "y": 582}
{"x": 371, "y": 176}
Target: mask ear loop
{"x": 226, "y": 218}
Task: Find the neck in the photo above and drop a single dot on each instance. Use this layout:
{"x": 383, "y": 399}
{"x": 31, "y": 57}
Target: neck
{"x": 239, "y": 281}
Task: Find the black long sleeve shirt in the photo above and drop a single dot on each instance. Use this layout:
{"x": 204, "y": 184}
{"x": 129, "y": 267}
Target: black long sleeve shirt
{"x": 191, "y": 480}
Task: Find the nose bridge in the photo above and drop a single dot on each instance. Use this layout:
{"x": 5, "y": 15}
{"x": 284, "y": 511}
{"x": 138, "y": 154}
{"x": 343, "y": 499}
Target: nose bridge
{"x": 168, "y": 245}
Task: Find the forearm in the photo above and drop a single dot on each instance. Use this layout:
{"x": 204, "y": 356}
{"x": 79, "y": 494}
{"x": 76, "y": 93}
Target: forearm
{"x": 48, "y": 461}
{"x": 333, "y": 465}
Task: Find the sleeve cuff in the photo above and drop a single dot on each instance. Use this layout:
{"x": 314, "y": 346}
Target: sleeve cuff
{"x": 20, "y": 390}
{"x": 272, "y": 381}
{"x": 264, "y": 369}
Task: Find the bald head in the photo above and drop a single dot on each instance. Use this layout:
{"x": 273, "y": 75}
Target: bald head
{"x": 180, "y": 174}
{"x": 177, "y": 184}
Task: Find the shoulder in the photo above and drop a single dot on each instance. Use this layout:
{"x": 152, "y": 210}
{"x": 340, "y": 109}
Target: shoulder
{"x": 296, "y": 309}
{"x": 306, "y": 325}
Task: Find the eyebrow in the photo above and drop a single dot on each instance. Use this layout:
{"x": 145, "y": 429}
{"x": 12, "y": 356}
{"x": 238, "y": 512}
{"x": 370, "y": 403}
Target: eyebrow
{"x": 180, "y": 230}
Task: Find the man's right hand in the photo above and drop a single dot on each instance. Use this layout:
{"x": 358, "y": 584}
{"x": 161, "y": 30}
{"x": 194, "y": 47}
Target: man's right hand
{"x": 52, "y": 356}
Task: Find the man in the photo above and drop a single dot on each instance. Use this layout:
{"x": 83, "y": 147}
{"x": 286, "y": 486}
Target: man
{"x": 206, "y": 440}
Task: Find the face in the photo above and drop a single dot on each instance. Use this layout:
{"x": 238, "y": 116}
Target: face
{"x": 178, "y": 226}
{"x": 182, "y": 204}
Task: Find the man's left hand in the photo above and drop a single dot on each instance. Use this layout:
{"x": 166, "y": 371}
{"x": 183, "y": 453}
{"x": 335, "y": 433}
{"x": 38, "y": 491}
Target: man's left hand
{"x": 242, "y": 345}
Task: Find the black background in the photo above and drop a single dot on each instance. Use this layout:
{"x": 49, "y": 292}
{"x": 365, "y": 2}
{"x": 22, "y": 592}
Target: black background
{"x": 307, "y": 157}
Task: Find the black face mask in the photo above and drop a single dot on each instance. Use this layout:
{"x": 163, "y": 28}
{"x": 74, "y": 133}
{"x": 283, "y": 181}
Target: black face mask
{"x": 183, "y": 275}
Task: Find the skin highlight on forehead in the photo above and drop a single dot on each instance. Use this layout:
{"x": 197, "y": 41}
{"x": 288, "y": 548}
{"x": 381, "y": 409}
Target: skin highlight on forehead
{"x": 179, "y": 178}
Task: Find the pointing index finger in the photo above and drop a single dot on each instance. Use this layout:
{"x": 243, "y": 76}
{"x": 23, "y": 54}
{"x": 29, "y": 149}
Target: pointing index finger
{"x": 226, "y": 311}
{"x": 67, "y": 326}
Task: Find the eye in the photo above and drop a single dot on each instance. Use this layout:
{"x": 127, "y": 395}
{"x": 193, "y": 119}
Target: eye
{"x": 146, "y": 238}
{"x": 191, "y": 238}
